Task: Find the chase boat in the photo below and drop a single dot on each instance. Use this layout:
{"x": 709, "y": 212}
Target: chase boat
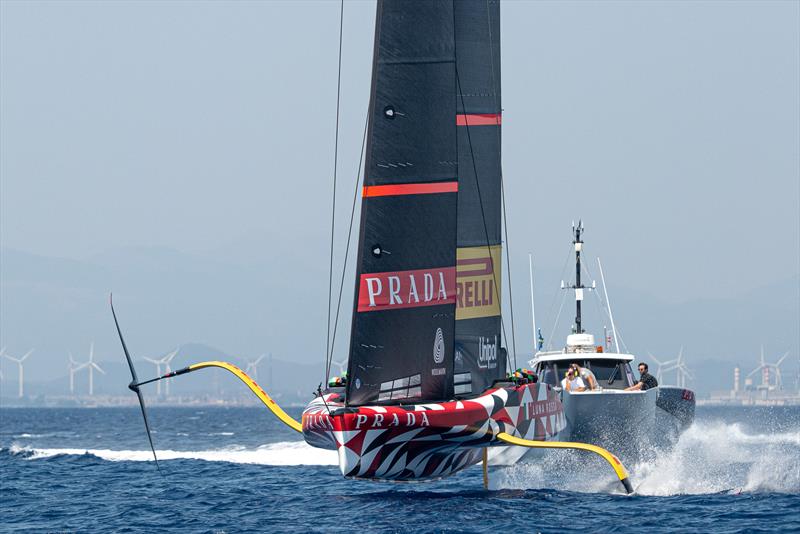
{"x": 633, "y": 423}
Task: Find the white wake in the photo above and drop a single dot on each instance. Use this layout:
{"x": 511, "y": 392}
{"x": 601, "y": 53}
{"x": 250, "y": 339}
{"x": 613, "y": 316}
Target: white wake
{"x": 285, "y": 453}
{"x": 708, "y": 458}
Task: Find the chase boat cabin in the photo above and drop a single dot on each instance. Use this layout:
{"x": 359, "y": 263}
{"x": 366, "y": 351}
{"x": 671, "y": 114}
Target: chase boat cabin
{"x": 612, "y": 370}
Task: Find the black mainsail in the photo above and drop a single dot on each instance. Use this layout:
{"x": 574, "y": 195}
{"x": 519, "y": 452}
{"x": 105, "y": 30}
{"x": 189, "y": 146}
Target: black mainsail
{"x": 426, "y": 320}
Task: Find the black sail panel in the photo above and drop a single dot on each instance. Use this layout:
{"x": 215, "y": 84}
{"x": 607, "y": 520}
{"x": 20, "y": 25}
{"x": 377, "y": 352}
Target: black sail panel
{"x": 403, "y": 328}
{"x": 479, "y": 359}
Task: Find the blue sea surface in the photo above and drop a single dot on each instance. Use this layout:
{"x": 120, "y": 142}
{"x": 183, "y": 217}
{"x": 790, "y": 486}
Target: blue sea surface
{"x": 237, "y": 469}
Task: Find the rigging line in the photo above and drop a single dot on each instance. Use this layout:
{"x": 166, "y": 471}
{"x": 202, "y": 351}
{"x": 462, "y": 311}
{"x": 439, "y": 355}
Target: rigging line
{"x": 480, "y": 202}
{"x": 508, "y": 268}
{"x": 502, "y": 185}
{"x": 349, "y": 234}
{"x": 555, "y": 323}
{"x": 555, "y": 295}
{"x": 333, "y": 207}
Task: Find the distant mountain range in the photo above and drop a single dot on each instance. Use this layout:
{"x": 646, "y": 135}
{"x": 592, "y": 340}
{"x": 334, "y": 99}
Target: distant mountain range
{"x": 165, "y": 299}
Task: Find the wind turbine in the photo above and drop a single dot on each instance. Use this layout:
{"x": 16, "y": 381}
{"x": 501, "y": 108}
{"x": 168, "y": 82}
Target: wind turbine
{"x": 765, "y": 367}
{"x": 682, "y": 372}
{"x": 92, "y": 366}
{"x": 74, "y": 367}
{"x": 660, "y": 365}
{"x": 252, "y": 367}
{"x": 165, "y": 362}
{"x": 19, "y": 361}
{"x": 341, "y": 364}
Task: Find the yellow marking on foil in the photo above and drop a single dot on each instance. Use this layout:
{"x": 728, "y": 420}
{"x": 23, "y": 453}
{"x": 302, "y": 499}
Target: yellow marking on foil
{"x": 619, "y": 469}
{"x": 255, "y": 388}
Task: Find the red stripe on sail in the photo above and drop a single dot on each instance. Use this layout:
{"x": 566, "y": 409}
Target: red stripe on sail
{"x": 409, "y": 189}
{"x": 483, "y": 119}
{"x": 407, "y": 289}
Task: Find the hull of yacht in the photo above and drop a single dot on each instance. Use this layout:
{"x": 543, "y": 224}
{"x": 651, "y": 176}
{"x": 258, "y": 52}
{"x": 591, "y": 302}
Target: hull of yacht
{"x": 432, "y": 440}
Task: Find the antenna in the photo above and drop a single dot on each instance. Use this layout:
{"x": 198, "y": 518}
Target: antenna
{"x": 21, "y": 372}
{"x": 533, "y": 307}
{"x": 608, "y": 305}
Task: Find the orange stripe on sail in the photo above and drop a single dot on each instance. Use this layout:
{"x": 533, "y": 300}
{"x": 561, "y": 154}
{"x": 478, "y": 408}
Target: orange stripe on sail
{"x": 409, "y": 189}
{"x": 483, "y": 119}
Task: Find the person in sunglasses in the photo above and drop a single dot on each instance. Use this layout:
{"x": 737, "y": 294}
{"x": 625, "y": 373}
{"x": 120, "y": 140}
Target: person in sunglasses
{"x": 572, "y": 380}
{"x": 646, "y": 380}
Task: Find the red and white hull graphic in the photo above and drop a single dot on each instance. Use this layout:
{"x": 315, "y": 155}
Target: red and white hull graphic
{"x": 423, "y": 441}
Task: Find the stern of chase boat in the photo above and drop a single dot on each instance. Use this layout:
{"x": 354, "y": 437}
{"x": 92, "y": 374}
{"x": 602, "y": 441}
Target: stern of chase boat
{"x": 432, "y": 440}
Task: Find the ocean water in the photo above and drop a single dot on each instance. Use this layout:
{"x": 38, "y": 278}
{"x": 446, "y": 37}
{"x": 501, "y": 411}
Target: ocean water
{"x": 236, "y": 469}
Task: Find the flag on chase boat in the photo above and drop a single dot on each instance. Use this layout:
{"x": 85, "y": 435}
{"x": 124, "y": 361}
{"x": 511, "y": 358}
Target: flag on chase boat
{"x": 426, "y": 319}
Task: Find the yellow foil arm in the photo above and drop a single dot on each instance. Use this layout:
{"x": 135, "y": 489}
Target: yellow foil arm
{"x": 619, "y": 469}
{"x": 255, "y": 388}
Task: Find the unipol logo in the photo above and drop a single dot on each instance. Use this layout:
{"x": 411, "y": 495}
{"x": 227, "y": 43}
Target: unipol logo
{"x": 407, "y": 289}
{"x": 487, "y": 352}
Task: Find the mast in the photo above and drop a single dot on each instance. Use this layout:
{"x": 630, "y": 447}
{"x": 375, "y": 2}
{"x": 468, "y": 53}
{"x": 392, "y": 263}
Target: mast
{"x": 578, "y": 287}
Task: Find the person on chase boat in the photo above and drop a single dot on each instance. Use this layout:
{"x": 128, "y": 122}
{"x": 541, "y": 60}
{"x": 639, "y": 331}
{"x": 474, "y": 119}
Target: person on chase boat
{"x": 573, "y": 381}
{"x": 646, "y": 380}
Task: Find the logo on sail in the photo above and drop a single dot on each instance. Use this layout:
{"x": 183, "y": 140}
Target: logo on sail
{"x": 487, "y": 352}
{"x": 478, "y": 276}
{"x": 407, "y": 289}
{"x": 438, "y": 347}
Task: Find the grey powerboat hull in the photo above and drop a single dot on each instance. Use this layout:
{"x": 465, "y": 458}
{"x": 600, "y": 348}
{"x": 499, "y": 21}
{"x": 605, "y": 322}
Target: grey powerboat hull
{"x": 631, "y": 424}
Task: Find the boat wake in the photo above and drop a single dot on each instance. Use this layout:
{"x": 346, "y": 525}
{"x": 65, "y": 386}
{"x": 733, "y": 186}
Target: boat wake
{"x": 709, "y": 458}
{"x": 286, "y": 453}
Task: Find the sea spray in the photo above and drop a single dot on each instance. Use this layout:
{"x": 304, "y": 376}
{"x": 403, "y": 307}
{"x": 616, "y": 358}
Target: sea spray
{"x": 710, "y": 457}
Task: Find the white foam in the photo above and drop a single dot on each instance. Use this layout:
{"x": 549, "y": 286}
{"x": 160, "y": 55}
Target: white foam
{"x": 286, "y": 453}
{"x": 720, "y": 457}
{"x": 708, "y": 458}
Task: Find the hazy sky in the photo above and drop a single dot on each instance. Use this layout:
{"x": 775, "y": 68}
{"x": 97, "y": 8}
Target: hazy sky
{"x": 671, "y": 128}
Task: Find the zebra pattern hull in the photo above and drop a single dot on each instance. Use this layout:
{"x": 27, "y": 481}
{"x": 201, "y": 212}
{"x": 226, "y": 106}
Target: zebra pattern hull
{"x": 426, "y": 441}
